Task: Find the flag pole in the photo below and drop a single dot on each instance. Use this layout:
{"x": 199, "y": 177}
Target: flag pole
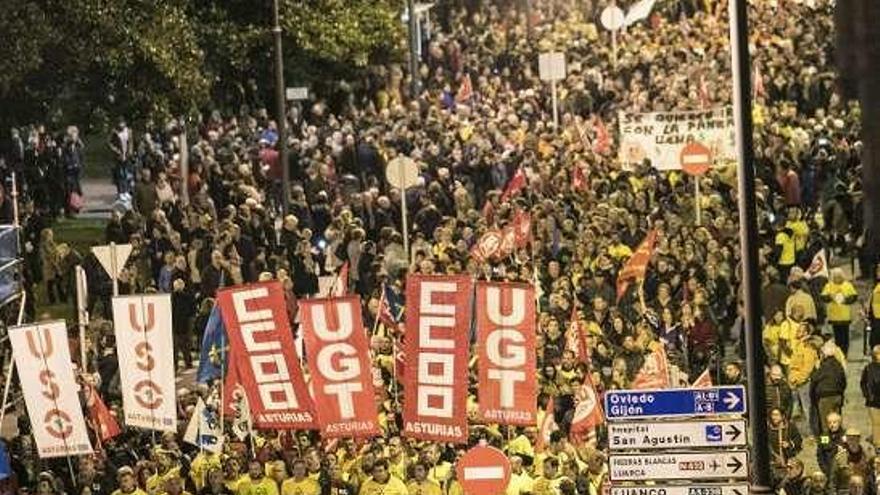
{"x": 11, "y": 367}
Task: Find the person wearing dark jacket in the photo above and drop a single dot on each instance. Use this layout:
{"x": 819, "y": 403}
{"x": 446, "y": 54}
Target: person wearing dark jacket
{"x": 785, "y": 441}
{"x": 830, "y": 442}
{"x": 828, "y": 385}
{"x": 870, "y": 385}
{"x": 794, "y": 479}
{"x": 778, "y": 392}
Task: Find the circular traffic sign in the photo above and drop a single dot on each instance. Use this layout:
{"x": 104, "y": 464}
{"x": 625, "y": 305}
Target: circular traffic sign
{"x": 696, "y": 158}
{"x": 612, "y": 18}
{"x": 402, "y": 172}
{"x": 483, "y": 471}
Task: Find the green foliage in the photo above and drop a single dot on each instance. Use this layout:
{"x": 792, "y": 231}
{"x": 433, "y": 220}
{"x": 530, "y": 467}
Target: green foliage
{"x": 89, "y": 60}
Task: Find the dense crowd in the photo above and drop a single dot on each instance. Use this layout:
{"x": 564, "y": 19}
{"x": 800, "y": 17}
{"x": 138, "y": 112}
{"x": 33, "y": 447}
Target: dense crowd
{"x": 589, "y": 214}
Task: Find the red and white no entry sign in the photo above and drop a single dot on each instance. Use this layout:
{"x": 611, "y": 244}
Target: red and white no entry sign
{"x": 696, "y": 158}
{"x": 483, "y": 471}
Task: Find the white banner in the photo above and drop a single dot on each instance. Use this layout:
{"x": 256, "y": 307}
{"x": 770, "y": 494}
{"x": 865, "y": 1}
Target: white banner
{"x": 660, "y": 136}
{"x": 146, "y": 360}
{"x": 42, "y": 356}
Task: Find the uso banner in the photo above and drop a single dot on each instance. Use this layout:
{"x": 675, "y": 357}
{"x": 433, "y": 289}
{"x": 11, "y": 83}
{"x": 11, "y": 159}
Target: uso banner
{"x": 146, "y": 360}
{"x": 42, "y": 359}
{"x": 506, "y": 350}
{"x": 263, "y": 357}
{"x": 438, "y": 317}
{"x": 339, "y": 365}
{"x": 660, "y": 136}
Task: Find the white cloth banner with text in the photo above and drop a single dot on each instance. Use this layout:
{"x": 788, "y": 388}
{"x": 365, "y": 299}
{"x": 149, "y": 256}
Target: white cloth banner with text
{"x": 42, "y": 356}
{"x": 660, "y": 136}
{"x": 146, "y": 360}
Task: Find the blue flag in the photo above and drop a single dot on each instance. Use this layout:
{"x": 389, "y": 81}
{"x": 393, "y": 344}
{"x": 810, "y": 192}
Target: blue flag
{"x": 5, "y": 466}
{"x": 212, "y": 359}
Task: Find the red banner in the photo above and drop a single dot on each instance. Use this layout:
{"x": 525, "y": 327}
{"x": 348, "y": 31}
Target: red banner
{"x": 438, "y": 316}
{"x": 263, "y": 357}
{"x": 339, "y": 364}
{"x": 506, "y": 350}
{"x": 637, "y": 265}
{"x": 654, "y": 373}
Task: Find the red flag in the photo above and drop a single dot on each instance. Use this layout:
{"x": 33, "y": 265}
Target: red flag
{"x": 438, "y": 317}
{"x": 578, "y": 179}
{"x": 588, "y": 409}
{"x": 506, "y": 352}
{"x": 522, "y": 226}
{"x": 339, "y": 365}
{"x": 654, "y": 373}
{"x": 637, "y": 265}
{"x": 465, "y": 90}
{"x": 488, "y": 245}
{"x": 703, "y": 91}
{"x": 100, "y": 420}
{"x": 508, "y": 242}
{"x": 263, "y": 357}
{"x": 516, "y": 184}
{"x": 758, "y": 82}
{"x": 602, "y": 144}
{"x": 548, "y": 426}
{"x": 704, "y": 380}
{"x": 574, "y": 337}
{"x": 340, "y": 284}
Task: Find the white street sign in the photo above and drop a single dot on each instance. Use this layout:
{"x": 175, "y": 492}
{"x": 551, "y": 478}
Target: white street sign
{"x": 112, "y": 257}
{"x": 551, "y": 66}
{"x": 730, "y": 489}
{"x": 679, "y": 466}
{"x": 297, "y": 94}
{"x": 677, "y": 435}
{"x": 402, "y": 172}
{"x": 612, "y": 18}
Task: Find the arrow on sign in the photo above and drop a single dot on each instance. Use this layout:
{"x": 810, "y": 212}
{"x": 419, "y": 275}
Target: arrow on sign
{"x": 734, "y": 432}
{"x": 737, "y": 492}
{"x": 731, "y": 400}
{"x": 735, "y": 464}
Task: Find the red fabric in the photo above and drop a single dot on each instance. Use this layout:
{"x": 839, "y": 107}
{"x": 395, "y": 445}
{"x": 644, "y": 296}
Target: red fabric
{"x": 522, "y": 224}
{"x": 602, "y": 144}
{"x": 516, "y": 184}
{"x": 506, "y": 351}
{"x": 637, "y": 265}
{"x": 704, "y": 380}
{"x": 270, "y": 157}
{"x": 790, "y": 184}
{"x": 548, "y": 426}
{"x": 261, "y": 346}
{"x": 339, "y": 365}
{"x": 588, "y": 408}
{"x": 465, "y": 91}
{"x": 578, "y": 179}
{"x": 575, "y": 340}
{"x": 438, "y": 318}
{"x": 100, "y": 420}
{"x": 758, "y": 82}
{"x": 654, "y": 373}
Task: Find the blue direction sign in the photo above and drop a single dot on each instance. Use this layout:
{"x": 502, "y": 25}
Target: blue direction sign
{"x": 668, "y": 403}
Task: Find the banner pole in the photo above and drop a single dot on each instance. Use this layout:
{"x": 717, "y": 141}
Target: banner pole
{"x": 697, "y": 199}
{"x": 82, "y": 315}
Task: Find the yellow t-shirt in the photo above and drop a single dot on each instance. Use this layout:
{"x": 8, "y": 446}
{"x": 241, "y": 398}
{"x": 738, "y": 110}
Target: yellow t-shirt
{"x": 786, "y": 258}
{"x": 519, "y": 484}
{"x": 426, "y": 487}
{"x": 619, "y": 251}
{"x": 800, "y": 232}
{"x": 263, "y": 486}
{"x": 393, "y": 487}
{"x": 839, "y": 312}
{"x": 875, "y": 302}
{"x": 307, "y": 486}
{"x": 198, "y": 470}
{"x": 440, "y": 473}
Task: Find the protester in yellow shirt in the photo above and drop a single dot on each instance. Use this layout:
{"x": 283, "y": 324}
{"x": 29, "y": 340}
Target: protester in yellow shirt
{"x": 300, "y": 483}
{"x": 257, "y": 482}
{"x": 779, "y": 335}
{"x": 382, "y": 482}
{"x": 839, "y": 294}
{"x": 799, "y": 229}
{"x": 421, "y": 485}
{"x": 215, "y": 483}
{"x": 127, "y": 482}
{"x": 874, "y": 311}
{"x": 784, "y": 252}
{"x": 520, "y": 482}
{"x": 174, "y": 485}
{"x": 201, "y": 465}
{"x": 548, "y": 482}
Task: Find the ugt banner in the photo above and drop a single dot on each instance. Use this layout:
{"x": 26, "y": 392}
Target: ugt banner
{"x": 438, "y": 317}
{"x": 146, "y": 360}
{"x": 262, "y": 355}
{"x": 506, "y": 350}
{"x": 42, "y": 357}
{"x": 339, "y": 364}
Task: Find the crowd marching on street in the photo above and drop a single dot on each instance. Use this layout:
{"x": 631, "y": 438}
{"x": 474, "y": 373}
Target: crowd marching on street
{"x": 628, "y": 279}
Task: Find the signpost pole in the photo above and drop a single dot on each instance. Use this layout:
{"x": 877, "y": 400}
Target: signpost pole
{"x": 555, "y": 105}
{"x": 761, "y": 475}
{"x": 113, "y": 268}
{"x": 280, "y": 109}
{"x": 82, "y": 314}
{"x": 697, "y": 199}
{"x": 403, "y": 215}
{"x": 614, "y": 49}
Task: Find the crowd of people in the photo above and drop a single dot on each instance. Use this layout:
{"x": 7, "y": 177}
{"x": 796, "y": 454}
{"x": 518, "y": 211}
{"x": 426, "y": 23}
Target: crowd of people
{"x": 222, "y": 224}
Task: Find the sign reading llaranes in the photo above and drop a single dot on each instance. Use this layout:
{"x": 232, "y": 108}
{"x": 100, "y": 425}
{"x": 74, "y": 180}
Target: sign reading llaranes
{"x": 676, "y": 435}
{"x": 660, "y": 136}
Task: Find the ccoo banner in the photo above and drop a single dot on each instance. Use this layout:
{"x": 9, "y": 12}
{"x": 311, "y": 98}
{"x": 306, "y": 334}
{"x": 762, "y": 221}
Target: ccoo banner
{"x": 438, "y": 318}
{"x": 660, "y": 136}
{"x": 339, "y": 364}
{"x": 262, "y": 356}
{"x": 146, "y": 360}
{"x": 42, "y": 357}
{"x": 506, "y": 350}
